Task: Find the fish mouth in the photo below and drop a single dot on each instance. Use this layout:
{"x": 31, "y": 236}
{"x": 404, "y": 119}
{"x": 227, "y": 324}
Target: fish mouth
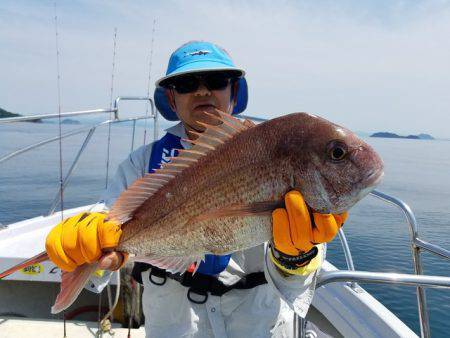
{"x": 368, "y": 183}
{"x": 373, "y": 177}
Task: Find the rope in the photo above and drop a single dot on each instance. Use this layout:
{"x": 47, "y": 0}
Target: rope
{"x": 105, "y": 323}
{"x": 110, "y": 304}
{"x": 99, "y": 315}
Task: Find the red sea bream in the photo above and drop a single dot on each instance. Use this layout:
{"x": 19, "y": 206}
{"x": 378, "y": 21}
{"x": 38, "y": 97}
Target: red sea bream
{"x": 217, "y": 196}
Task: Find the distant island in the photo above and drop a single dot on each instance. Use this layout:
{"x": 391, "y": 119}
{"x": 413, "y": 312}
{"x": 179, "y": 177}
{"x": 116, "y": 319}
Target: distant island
{"x": 386, "y": 134}
{"x": 64, "y": 121}
{"x": 70, "y": 121}
{"x": 6, "y": 114}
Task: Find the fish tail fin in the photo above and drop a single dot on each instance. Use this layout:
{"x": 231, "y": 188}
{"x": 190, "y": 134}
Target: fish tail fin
{"x": 72, "y": 283}
{"x": 33, "y": 260}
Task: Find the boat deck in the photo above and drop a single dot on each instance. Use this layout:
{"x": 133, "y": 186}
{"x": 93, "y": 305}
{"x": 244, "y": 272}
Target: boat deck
{"x": 20, "y": 327}
{"x": 12, "y": 327}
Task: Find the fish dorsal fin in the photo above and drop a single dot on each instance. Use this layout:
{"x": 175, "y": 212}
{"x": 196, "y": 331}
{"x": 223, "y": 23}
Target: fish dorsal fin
{"x": 145, "y": 187}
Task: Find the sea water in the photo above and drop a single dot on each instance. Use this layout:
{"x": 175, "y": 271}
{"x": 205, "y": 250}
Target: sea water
{"x": 416, "y": 171}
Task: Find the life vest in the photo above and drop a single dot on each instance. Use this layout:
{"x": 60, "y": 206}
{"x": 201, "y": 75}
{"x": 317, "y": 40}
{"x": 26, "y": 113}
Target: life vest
{"x": 162, "y": 150}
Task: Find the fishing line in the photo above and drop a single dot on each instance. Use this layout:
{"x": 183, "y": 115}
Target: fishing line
{"x": 110, "y": 304}
{"x": 58, "y": 85}
{"x": 149, "y": 79}
{"x": 110, "y": 107}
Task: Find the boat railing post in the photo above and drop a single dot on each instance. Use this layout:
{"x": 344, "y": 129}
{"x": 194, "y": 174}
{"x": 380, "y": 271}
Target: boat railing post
{"x": 80, "y": 152}
{"x": 154, "y": 112}
{"x": 132, "y": 135}
{"x": 115, "y": 109}
{"x": 155, "y": 121}
{"x": 57, "y": 198}
{"x": 299, "y": 326}
{"x": 347, "y": 255}
{"x": 130, "y": 98}
{"x": 415, "y": 249}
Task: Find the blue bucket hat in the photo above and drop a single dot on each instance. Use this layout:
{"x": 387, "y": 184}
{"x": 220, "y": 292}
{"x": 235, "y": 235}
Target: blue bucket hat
{"x": 195, "y": 57}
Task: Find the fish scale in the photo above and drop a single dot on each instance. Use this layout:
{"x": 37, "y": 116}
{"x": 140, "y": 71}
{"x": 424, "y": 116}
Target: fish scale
{"x": 244, "y": 186}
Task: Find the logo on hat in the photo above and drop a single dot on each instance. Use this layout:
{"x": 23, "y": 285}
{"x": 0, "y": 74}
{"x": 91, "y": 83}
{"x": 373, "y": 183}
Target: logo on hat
{"x": 199, "y": 52}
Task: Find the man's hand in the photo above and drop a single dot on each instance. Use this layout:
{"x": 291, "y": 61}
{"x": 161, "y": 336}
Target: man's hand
{"x": 85, "y": 238}
{"x": 295, "y": 233}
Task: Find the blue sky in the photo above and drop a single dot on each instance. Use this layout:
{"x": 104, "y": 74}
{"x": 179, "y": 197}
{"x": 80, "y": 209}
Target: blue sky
{"x": 369, "y": 65}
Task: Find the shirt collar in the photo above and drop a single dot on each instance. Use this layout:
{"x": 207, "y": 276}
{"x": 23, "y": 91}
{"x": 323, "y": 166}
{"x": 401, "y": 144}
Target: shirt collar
{"x": 180, "y": 131}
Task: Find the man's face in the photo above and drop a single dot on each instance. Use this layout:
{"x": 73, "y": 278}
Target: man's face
{"x": 191, "y": 107}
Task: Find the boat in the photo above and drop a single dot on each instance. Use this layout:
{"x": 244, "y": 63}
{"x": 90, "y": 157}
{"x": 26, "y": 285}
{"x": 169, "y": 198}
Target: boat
{"x": 341, "y": 306}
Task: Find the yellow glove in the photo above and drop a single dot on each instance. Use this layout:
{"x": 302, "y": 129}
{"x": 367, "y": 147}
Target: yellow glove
{"x": 80, "y": 239}
{"x": 295, "y": 235}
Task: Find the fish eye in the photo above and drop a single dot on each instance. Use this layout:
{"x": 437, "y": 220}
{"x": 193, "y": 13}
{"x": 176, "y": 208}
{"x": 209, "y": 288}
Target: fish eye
{"x": 337, "y": 151}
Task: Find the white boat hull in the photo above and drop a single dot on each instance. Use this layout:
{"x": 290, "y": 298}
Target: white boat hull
{"x": 29, "y": 293}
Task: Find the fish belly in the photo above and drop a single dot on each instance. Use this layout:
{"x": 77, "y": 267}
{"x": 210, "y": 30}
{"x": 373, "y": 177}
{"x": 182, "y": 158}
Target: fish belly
{"x": 175, "y": 235}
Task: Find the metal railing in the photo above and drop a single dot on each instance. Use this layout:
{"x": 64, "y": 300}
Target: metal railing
{"x": 29, "y": 118}
{"x": 383, "y": 278}
{"x": 418, "y": 279}
{"x": 416, "y": 245}
{"x": 90, "y": 131}
{"x": 347, "y": 255}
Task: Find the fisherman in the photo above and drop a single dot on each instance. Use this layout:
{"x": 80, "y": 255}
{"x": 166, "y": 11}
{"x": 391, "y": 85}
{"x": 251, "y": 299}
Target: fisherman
{"x": 252, "y": 293}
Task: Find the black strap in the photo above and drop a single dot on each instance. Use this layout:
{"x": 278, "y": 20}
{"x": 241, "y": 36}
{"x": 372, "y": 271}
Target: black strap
{"x": 198, "y": 284}
{"x": 202, "y": 285}
{"x": 137, "y": 271}
{"x": 294, "y": 262}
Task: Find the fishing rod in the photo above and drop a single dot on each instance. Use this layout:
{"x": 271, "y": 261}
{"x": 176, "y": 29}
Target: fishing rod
{"x": 61, "y": 184}
{"x": 110, "y": 106}
{"x": 149, "y": 80}
{"x": 104, "y": 323}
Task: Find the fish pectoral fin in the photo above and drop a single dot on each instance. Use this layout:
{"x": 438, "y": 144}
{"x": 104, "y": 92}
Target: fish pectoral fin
{"x": 240, "y": 210}
{"x": 171, "y": 264}
{"x": 72, "y": 283}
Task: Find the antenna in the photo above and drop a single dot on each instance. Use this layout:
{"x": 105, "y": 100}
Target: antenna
{"x": 149, "y": 79}
{"x": 110, "y": 106}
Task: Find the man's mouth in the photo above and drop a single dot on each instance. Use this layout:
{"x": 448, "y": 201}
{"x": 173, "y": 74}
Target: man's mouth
{"x": 204, "y": 106}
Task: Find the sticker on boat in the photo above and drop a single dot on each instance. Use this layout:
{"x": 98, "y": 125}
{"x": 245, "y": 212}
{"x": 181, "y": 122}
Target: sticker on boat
{"x": 34, "y": 269}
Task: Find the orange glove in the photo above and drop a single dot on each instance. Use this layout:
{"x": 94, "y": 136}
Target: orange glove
{"x": 80, "y": 239}
{"x": 295, "y": 234}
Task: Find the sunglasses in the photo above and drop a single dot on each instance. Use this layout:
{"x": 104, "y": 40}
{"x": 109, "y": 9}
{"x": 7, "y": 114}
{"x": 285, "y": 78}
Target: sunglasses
{"x": 189, "y": 83}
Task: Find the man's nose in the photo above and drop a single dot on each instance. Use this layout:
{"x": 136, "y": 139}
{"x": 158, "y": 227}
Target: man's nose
{"x": 202, "y": 90}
